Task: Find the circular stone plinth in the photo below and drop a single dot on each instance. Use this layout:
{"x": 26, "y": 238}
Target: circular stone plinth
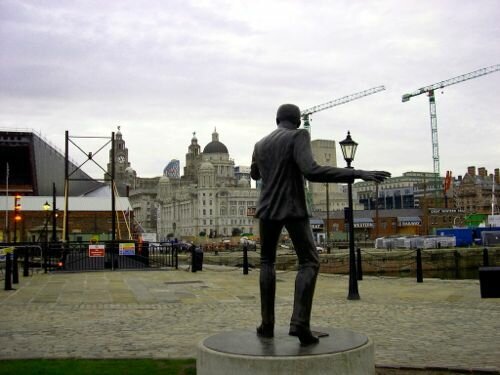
{"x": 243, "y": 352}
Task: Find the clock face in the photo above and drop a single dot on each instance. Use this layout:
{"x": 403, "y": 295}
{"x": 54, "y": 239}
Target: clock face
{"x": 121, "y": 159}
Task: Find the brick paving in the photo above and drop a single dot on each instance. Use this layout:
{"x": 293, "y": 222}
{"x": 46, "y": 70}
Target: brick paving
{"x": 164, "y": 314}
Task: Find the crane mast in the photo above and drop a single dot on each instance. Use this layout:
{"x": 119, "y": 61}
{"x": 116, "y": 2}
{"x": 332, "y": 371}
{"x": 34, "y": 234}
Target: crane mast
{"x": 306, "y": 119}
{"x": 429, "y": 90}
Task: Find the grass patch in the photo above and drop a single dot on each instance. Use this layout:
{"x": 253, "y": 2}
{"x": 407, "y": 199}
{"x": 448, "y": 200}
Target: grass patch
{"x": 98, "y": 366}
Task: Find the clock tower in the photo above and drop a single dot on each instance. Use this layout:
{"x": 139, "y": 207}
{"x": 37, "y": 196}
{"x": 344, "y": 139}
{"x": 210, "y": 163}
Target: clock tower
{"x": 121, "y": 160}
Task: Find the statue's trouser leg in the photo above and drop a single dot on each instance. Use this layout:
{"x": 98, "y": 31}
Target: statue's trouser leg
{"x": 269, "y": 235}
{"x": 305, "y": 281}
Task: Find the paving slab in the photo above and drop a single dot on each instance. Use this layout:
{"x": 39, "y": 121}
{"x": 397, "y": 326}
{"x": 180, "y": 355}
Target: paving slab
{"x": 165, "y": 314}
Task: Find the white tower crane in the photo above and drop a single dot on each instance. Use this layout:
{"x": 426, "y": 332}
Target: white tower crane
{"x": 432, "y": 104}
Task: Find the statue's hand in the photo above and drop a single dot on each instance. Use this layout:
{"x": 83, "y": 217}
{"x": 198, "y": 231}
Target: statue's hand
{"x": 377, "y": 176}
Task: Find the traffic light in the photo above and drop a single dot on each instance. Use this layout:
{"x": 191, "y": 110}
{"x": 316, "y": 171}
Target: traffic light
{"x": 17, "y": 208}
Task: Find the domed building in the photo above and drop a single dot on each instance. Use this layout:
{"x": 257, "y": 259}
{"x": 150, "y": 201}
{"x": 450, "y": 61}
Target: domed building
{"x": 208, "y": 198}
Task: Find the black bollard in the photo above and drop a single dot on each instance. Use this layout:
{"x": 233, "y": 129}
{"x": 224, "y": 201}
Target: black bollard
{"x": 456, "y": 258}
{"x": 8, "y": 272}
{"x": 420, "y": 277}
{"x": 358, "y": 264}
{"x": 26, "y": 264}
{"x": 193, "y": 259}
{"x": 45, "y": 265}
{"x": 486, "y": 261}
{"x": 15, "y": 269}
{"x": 245, "y": 259}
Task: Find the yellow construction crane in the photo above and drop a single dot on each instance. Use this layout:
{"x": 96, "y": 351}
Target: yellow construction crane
{"x": 306, "y": 114}
{"x": 429, "y": 90}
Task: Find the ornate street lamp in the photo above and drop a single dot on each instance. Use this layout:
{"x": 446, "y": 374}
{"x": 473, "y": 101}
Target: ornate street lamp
{"x": 349, "y": 147}
{"x": 46, "y": 208}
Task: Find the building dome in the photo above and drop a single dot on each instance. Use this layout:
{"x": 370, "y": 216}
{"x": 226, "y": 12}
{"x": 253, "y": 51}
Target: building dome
{"x": 215, "y": 147}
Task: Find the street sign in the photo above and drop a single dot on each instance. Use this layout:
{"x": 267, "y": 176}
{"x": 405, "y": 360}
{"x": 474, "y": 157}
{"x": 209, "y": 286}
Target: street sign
{"x": 126, "y": 248}
{"x": 97, "y": 251}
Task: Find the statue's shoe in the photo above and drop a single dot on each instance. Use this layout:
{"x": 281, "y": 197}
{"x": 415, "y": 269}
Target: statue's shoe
{"x": 265, "y": 330}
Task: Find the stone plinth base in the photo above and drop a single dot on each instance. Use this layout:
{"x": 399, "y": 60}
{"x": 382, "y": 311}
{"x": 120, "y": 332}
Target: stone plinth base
{"x": 244, "y": 353}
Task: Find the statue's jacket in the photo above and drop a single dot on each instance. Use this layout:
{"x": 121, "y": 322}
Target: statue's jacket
{"x": 282, "y": 160}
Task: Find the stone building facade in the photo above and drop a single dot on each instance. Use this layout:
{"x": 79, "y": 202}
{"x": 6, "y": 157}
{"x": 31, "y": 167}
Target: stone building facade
{"x": 212, "y": 197}
{"x": 477, "y": 191}
{"x": 208, "y": 200}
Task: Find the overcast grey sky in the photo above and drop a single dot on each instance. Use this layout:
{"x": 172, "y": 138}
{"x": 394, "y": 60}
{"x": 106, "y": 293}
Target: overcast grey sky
{"x": 165, "y": 69}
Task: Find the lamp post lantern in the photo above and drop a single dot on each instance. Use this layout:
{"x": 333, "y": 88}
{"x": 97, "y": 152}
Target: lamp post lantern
{"x": 349, "y": 147}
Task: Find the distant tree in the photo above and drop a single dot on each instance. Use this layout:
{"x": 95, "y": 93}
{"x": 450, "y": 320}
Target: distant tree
{"x": 203, "y": 233}
{"x": 236, "y": 232}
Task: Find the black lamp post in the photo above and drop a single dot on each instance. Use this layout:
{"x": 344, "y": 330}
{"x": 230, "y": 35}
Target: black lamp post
{"x": 348, "y": 147}
{"x": 54, "y": 213}
{"x": 46, "y": 208}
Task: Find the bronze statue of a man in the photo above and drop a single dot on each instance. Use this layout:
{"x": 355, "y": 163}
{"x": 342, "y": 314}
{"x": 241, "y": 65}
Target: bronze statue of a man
{"x": 282, "y": 160}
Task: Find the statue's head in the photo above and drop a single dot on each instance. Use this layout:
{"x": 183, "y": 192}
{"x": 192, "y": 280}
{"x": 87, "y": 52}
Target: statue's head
{"x": 288, "y": 112}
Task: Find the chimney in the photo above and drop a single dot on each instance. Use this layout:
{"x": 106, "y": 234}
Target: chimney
{"x": 497, "y": 175}
{"x": 482, "y": 172}
{"x": 471, "y": 171}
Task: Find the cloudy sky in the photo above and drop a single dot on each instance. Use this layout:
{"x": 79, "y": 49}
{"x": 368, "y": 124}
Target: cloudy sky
{"x": 165, "y": 69}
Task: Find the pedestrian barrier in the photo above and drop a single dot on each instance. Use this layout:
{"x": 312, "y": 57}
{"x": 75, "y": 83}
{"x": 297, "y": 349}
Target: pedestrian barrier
{"x": 79, "y": 256}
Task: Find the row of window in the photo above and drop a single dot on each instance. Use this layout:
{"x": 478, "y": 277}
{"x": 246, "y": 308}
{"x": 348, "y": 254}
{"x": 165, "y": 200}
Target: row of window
{"x": 229, "y": 221}
{"x": 233, "y": 211}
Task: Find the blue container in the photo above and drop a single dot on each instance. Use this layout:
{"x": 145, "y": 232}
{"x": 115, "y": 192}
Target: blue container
{"x": 463, "y": 236}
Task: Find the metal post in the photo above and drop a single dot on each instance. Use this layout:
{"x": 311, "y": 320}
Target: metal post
{"x": 420, "y": 277}
{"x": 486, "y": 261}
{"x": 193, "y": 259}
{"x": 245, "y": 258}
{"x": 66, "y": 191}
{"x": 8, "y": 272}
{"x": 359, "y": 266}
{"x": 327, "y": 219}
{"x": 26, "y": 264}
{"x": 456, "y": 258}
{"x": 15, "y": 269}
{"x": 113, "y": 207}
{"x": 15, "y": 228}
{"x": 54, "y": 221}
{"x": 376, "y": 211}
{"x": 353, "y": 280}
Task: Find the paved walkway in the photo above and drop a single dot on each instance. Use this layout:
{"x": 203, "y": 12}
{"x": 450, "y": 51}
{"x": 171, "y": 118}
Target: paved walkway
{"x": 164, "y": 314}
